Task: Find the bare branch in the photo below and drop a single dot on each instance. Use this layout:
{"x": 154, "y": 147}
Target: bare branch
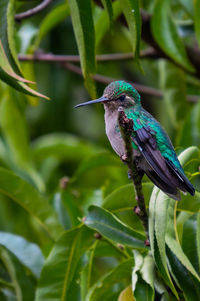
{"x": 66, "y": 59}
{"x": 33, "y": 11}
{"x": 141, "y": 88}
{"x": 49, "y": 57}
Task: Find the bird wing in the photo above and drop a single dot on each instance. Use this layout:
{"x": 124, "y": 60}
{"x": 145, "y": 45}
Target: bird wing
{"x": 159, "y": 169}
{"x": 147, "y": 145}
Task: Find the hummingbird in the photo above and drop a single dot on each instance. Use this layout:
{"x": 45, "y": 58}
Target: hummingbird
{"x": 153, "y": 151}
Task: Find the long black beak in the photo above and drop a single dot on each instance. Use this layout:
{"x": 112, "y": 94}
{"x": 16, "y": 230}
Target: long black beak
{"x": 101, "y": 99}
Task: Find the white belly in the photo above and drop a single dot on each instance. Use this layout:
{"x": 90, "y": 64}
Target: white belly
{"x": 113, "y": 135}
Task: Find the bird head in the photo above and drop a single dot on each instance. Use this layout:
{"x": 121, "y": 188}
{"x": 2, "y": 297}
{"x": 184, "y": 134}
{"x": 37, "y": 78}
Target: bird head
{"x": 117, "y": 94}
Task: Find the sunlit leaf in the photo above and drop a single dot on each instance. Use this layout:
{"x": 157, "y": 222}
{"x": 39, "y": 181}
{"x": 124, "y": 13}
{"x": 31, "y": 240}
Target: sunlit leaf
{"x": 126, "y": 295}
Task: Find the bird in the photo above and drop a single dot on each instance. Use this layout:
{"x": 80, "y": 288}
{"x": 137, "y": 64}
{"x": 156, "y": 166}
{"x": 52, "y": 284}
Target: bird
{"x": 153, "y": 151}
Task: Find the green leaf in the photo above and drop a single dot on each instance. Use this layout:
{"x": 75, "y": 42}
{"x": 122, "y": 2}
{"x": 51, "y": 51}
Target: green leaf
{"x": 14, "y": 129}
{"x": 126, "y": 295}
{"x": 166, "y": 34}
{"x": 157, "y": 229}
{"x": 190, "y": 241}
{"x": 197, "y": 20}
{"x": 190, "y": 204}
{"x": 189, "y": 134}
{"x": 98, "y": 160}
{"x": 23, "y": 283}
{"x": 122, "y": 201}
{"x": 64, "y": 147}
{"x": 173, "y": 243}
{"x": 109, "y": 226}
{"x": 148, "y": 274}
{"x": 82, "y": 20}
{"x": 111, "y": 278}
{"x": 143, "y": 277}
{"x": 31, "y": 200}
{"x": 60, "y": 267}
{"x": 173, "y": 84}
{"x": 143, "y": 291}
{"x": 137, "y": 266}
{"x": 178, "y": 261}
{"x": 58, "y": 14}
{"x": 108, "y": 6}
{"x": 28, "y": 253}
{"x": 188, "y": 6}
{"x": 9, "y": 66}
{"x": 188, "y": 154}
{"x": 102, "y": 24}
{"x": 186, "y": 282}
{"x": 72, "y": 208}
{"x": 86, "y": 273}
{"x": 7, "y": 32}
{"x": 198, "y": 237}
{"x": 131, "y": 12}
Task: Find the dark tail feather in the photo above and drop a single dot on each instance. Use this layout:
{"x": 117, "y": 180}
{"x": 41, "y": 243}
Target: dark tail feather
{"x": 170, "y": 190}
{"x": 185, "y": 184}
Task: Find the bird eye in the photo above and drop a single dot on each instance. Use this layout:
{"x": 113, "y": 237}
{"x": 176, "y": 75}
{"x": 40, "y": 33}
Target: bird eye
{"x": 122, "y": 97}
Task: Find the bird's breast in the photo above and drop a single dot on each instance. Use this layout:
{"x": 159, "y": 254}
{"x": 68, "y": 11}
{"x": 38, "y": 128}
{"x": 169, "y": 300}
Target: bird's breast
{"x": 113, "y": 132}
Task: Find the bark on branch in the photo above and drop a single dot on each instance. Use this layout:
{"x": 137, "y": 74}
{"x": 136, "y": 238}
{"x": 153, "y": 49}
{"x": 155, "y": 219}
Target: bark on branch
{"x": 33, "y": 11}
{"x": 126, "y": 128}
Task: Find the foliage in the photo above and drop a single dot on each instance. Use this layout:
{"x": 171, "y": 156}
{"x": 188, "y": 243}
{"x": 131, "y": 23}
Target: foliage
{"x": 68, "y": 230}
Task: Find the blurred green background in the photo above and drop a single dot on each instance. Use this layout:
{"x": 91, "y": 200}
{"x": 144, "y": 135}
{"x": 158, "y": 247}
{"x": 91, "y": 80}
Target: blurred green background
{"x": 56, "y": 161}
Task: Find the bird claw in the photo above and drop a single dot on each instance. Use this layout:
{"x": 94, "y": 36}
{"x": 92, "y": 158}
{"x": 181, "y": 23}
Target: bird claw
{"x": 124, "y": 158}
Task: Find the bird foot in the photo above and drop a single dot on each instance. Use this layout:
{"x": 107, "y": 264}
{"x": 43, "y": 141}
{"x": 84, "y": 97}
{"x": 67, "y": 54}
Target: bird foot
{"x": 147, "y": 243}
{"x": 137, "y": 209}
{"x": 124, "y": 158}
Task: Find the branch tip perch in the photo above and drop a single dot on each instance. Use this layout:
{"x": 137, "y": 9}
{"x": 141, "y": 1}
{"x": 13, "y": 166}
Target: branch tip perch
{"x": 126, "y": 128}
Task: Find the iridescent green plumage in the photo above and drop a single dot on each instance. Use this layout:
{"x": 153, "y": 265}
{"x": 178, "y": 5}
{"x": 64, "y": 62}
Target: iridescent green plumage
{"x": 152, "y": 148}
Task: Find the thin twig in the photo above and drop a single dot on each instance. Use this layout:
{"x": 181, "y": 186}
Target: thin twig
{"x": 67, "y": 59}
{"x": 141, "y": 88}
{"x": 126, "y": 128}
{"x": 33, "y": 11}
{"x": 49, "y": 57}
